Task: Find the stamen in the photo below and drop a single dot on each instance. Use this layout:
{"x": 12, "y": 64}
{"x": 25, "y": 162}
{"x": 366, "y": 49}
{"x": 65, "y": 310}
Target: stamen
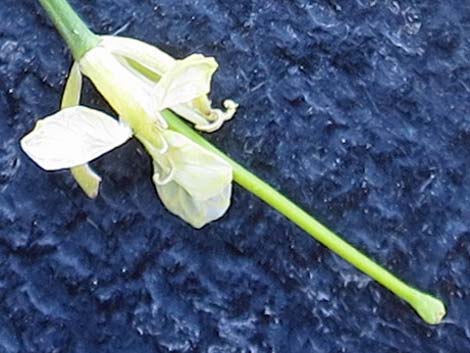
{"x": 215, "y": 124}
{"x": 220, "y": 117}
{"x": 231, "y": 107}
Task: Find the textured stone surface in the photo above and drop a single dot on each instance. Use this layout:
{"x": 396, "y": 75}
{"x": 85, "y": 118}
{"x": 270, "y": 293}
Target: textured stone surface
{"x": 357, "y": 109}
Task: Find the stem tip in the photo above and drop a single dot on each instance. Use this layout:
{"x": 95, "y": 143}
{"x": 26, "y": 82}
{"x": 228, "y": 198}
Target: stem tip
{"x": 430, "y": 309}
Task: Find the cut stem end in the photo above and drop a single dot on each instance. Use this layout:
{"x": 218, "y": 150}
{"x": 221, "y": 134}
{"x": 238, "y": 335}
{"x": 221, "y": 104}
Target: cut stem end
{"x": 429, "y": 308}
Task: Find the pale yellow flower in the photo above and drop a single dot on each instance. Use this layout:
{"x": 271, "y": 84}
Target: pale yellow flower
{"x": 193, "y": 183}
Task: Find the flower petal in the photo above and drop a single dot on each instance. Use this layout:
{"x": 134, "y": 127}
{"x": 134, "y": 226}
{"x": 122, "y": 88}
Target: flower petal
{"x": 193, "y": 211}
{"x": 145, "y": 54}
{"x": 200, "y": 172}
{"x": 72, "y": 137}
{"x": 187, "y": 80}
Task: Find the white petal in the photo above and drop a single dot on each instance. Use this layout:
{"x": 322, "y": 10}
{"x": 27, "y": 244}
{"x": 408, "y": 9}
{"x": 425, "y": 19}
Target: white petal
{"x": 200, "y": 172}
{"x": 193, "y": 211}
{"x": 187, "y": 80}
{"x": 145, "y": 54}
{"x": 72, "y": 137}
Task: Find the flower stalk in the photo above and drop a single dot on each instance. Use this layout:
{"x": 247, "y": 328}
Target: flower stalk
{"x": 80, "y": 40}
{"x": 75, "y": 32}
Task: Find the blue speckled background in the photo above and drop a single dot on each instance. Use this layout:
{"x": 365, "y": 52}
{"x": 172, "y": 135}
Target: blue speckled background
{"x": 357, "y": 109}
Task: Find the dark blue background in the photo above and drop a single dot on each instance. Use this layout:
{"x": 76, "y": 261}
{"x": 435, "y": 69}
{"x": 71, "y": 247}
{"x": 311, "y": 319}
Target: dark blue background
{"x": 356, "y": 109}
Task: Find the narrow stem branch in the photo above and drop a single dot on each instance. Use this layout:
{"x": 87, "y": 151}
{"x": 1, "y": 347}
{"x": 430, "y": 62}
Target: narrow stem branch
{"x": 75, "y": 32}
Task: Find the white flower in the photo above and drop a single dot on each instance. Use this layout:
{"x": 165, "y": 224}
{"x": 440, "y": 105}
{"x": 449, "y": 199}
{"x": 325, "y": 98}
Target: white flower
{"x": 192, "y": 182}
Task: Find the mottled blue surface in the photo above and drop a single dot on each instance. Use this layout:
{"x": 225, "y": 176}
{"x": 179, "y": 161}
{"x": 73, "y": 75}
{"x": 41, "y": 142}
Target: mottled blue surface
{"x": 357, "y": 109}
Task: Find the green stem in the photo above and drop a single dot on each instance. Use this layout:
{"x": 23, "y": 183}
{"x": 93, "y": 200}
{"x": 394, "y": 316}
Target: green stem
{"x": 81, "y": 39}
{"x": 429, "y": 308}
{"x": 75, "y": 32}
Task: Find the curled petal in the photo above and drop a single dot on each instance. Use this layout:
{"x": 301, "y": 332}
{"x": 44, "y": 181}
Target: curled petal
{"x": 188, "y": 79}
{"x": 72, "y": 137}
{"x": 193, "y": 211}
{"x": 199, "y": 185}
{"x": 200, "y": 172}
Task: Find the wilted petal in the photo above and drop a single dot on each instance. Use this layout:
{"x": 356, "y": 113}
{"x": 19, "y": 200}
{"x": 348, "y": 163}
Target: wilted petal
{"x": 194, "y": 183}
{"x": 193, "y": 211}
{"x": 188, "y": 79}
{"x": 72, "y": 137}
{"x": 202, "y": 173}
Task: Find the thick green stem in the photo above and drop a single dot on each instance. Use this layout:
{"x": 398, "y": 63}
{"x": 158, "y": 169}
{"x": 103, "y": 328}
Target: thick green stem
{"x": 75, "y": 32}
{"x": 428, "y": 307}
{"x": 81, "y": 39}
